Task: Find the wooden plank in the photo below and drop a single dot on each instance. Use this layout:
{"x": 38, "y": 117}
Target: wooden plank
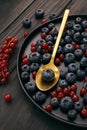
{"x": 10, "y": 10}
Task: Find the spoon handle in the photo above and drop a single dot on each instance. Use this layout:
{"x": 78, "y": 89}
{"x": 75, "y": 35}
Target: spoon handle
{"x": 66, "y": 14}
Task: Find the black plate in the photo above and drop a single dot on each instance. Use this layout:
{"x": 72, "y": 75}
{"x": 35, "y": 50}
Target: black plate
{"x": 25, "y": 49}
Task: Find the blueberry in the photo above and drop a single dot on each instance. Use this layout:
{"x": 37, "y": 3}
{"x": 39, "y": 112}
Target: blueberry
{"x": 80, "y": 75}
{"x": 26, "y": 23}
{"x": 72, "y": 114}
{"x": 84, "y": 40}
{"x": 34, "y": 57}
{"x": 51, "y": 26}
{"x": 85, "y": 85}
{"x": 71, "y": 78}
{"x": 62, "y": 42}
{"x": 78, "y": 106}
{"x": 69, "y": 58}
{"x": 39, "y": 13}
{"x": 30, "y": 87}
{"x": 66, "y": 104}
{"x": 25, "y": 76}
{"x": 70, "y": 32}
{"x": 78, "y": 54}
{"x": 50, "y": 43}
{"x": 40, "y": 97}
{"x": 48, "y": 75}
{"x": 63, "y": 74}
{"x": 39, "y": 49}
{"x": 72, "y": 67}
{"x": 46, "y": 58}
{"x": 53, "y": 16}
{"x": 45, "y": 30}
{"x": 34, "y": 67}
{"x": 83, "y": 47}
{"x": 83, "y": 62}
{"x": 85, "y": 99}
{"x": 77, "y": 37}
{"x": 84, "y": 24}
{"x": 54, "y": 32}
{"x": 78, "y": 20}
{"x": 69, "y": 25}
{"x": 49, "y": 38}
{"x": 40, "y": 42}
{"x": 77, "y": 27}
{"x": 25, "y": 68}
{"x": 54, "y": 102}
{"x": 69, "y": 48}
{"x": 84, "y": 34}
{"x": 59, "y": 51}
{"x": 68, "y": 39}
{"x": 63, "y": 83}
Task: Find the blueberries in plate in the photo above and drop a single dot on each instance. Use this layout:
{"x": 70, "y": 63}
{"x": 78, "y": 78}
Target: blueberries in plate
{"x": 40, "y": 41}
{"x": 51, "y": 26}
{"x": 84, "y": 40}
{"x": 54, "y": 32}
{"x": 39, "y": 13}
{"x": 63, "y": 83}
{"x": 25, "y": 76}
{"x": 30, "y": 86}
{"x": 84, "y": 24}
{"x": 78, "y": 106}
{"x": 69, "y": 48}
{"x": 85, "y": 85}
{"x": 25, "y": 68}
{"x": 71, "y": 78}
{"x": 34, "y": 67}
{"x": 54, "y": 102}
{"x": 45, "y": 30}
{"x": 80, "y": 75}
{"x": 46, "y": 58}
{"x": 34, "y": 57}
{"x": 26, "y": 23}
{"x": 83, "y": 47}
{"x": 85, "y": 99}
{"x": 78, "y": 20}
{"x": 69, "y": 25}
{"x": 49, "y": 38}
{"x": 72, "y": 114}
{"x": 69, "y": 58}
{"x": 77, "y": 27}
{"x": 70, "y": 32}
{"x": 53, "y": 16}
{"x": 63, "y": 74}
{"x": 84, "y": 34}
{"x": 77, "y": 37}
{"x": 83, "y": 62}
{"x": 40, "y": 97}
{"x": 66, "y": 104}
{"x": 78, "y": 54}
{"x": 73, "y": 67}
{"x": 48, "y": 75}
{"x": 68, "y": 39}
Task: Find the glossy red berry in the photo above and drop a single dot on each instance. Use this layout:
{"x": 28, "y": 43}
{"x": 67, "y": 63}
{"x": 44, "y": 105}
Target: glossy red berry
{"x": 48, "y": 108}
{"x": 25, "y": 61}
{"x": 61, "y": 57}
{"x": 83, "y": 113}
{"x": 74, "y": 44}
{"x": 15, "y": 40}
{"x": 34, "y": 74}
{"x": 66, "y": 91}
{"x": 33, "y": 45}
{"x": 54, "y": 94}
{"x": 26, "y": 34}
{"x": 8, "y": 98}
{"x": 43, "y": 35}
{"x": 12, "y": 45}
{"x": 3, "y": 80}
{"x": 71, "y": 94}
{"x": 73, "y": 88}
{"x": 57, "y": 61}
{"x": 8, "y": 38}
{"x": 50, "y": 49}
{"x": 33, "y": 49}
{"x": 83, "y": 91}
{"x": 60, "y": 95}
{"x": 43, "y": 21}
{"x": 85, "y": 80}
{"x": 77, "y": 46}
{"x": 44, "y": 46}
{"x": 75, "y": 98}
{"x": 59, "y": 89}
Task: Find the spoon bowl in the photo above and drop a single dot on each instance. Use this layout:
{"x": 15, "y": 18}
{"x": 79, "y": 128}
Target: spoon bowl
{"x": 46, "y": 85}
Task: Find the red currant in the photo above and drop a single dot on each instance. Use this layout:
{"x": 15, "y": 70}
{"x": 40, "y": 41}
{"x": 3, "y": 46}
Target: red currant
{"x": 73, "y": 88}
{"x": 43, "y": 21}
{"x": 44, "y": 46}
{"x": 66, "y": 91}
{"x": 50, "y": 49}
{"x": 75, "y": 98}
{"x": 83, "y": 113}
{"x": 43, "y": 35}
{"x": 83, "y": 91}
{"x": 59, "y": 89}
{"x": 12, "y": 45}
{"x": 34, "y": 74}
{"x": 60, "y": 95}
{"x": 8, "y": 98}
{"x": 72, "y": 93}
{"x": 57, "y": 61}
{"x": 8, "y": 38}
{"x": 26, "y": 34}
{"x": 85, "y": 80}
{"x": 61, "y": 57}
{"x": 25, "y": 61}
{"x": 15, "y": 40}
{"x": 33, "y": 49}
{"x": 48, "y": 108}
{"x": 54, "y": 94}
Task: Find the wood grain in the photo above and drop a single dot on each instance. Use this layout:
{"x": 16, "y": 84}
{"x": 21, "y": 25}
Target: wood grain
{"x": 21, "y": 114}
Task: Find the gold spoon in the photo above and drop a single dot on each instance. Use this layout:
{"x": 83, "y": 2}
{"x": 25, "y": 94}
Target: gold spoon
{"x": 46, "y": 85}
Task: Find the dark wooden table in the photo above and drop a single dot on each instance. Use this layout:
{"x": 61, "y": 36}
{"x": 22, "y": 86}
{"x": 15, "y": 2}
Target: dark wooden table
{"x": 21, "y": 114}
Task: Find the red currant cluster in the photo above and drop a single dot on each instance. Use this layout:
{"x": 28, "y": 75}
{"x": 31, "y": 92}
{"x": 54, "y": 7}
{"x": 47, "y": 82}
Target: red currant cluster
{"x": 25, "y": 60}
{"x": 5, "y": 51}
